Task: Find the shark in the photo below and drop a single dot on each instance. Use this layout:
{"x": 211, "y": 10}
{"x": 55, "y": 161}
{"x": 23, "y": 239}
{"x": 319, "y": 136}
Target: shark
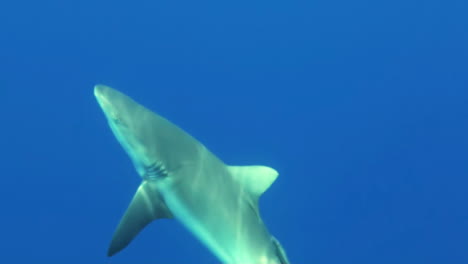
{"x": 182, "y": 180}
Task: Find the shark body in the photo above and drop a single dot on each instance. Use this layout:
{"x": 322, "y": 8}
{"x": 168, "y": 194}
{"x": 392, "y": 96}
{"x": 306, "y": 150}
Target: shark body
{"x": 182, "y": 179}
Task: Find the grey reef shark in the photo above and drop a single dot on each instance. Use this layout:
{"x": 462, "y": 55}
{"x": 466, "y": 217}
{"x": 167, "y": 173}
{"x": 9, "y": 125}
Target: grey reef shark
{"x": 182, "y": 179}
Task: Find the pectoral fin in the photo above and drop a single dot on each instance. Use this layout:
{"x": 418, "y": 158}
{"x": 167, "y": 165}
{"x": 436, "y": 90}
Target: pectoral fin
{"x": 145, "y": 207}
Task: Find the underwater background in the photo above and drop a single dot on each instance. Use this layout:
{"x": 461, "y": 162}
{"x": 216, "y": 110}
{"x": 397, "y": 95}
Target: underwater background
{"x": 362, "y": 107}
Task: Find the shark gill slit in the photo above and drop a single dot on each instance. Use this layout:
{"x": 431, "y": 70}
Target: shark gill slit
{"x": 154, "y": 171}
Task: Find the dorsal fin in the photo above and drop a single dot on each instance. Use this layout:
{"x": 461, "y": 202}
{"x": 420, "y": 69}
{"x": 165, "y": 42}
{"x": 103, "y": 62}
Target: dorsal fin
{"x": 256, "y": 179}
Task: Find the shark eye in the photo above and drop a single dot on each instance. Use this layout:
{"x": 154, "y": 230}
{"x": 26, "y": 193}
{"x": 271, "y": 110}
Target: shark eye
{"x": 117, "y": 120}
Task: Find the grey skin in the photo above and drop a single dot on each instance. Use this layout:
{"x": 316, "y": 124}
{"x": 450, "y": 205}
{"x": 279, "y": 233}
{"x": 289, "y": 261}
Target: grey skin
{"x": 182, "y": 179}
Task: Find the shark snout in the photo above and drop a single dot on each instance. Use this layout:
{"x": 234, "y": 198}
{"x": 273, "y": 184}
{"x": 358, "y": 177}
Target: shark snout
{"x": 102, "y": 92}
{"x": 99, "y": 92}
{"x": 111, "y": 104}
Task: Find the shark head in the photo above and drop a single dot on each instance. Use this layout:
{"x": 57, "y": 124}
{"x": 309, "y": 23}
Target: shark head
{"x": 121, "y": 113}
{"x": 154, "y": 144}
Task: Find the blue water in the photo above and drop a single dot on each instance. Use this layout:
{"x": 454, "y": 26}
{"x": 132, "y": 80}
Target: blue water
{"x": 362, "y": 106}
